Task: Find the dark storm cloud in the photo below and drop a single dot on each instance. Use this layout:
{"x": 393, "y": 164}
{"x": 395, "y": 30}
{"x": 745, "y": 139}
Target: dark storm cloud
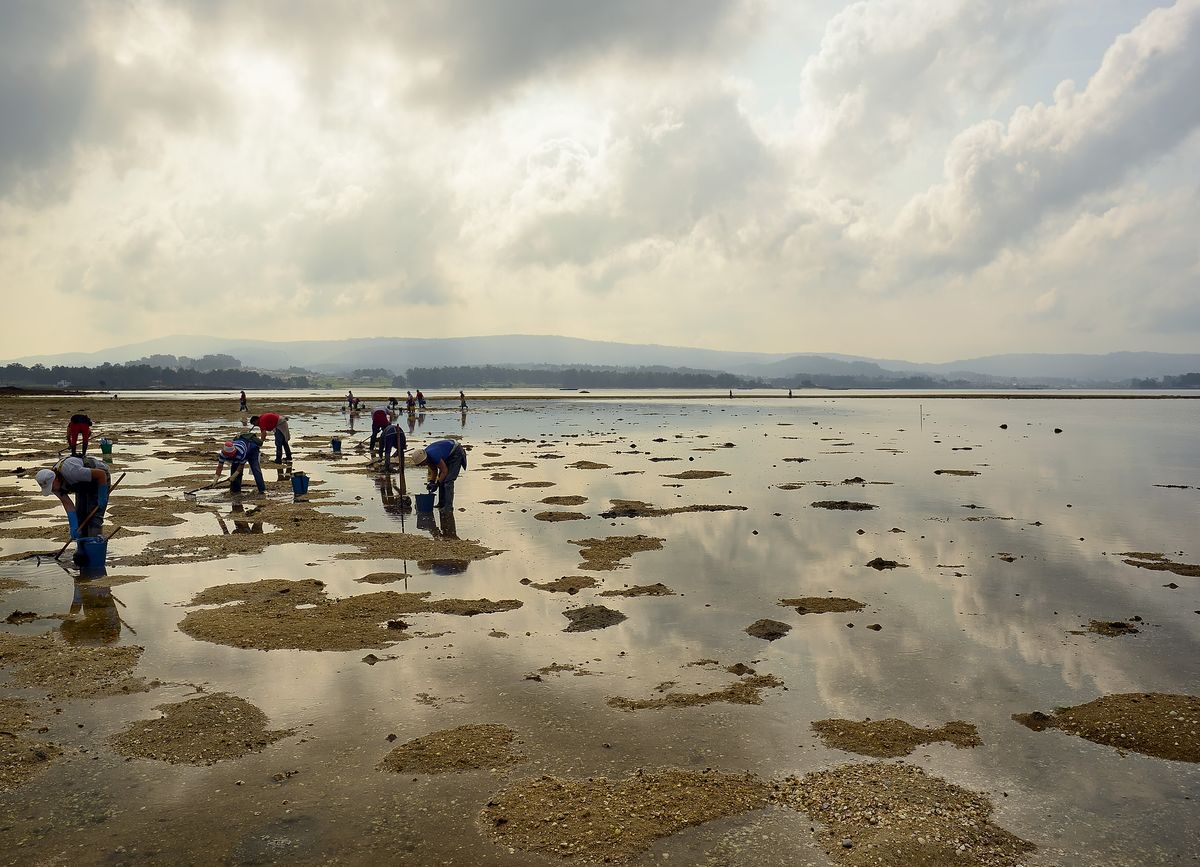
{"x": 473, "y": 52}
{"x": 47, "y": 83}
{"x": 486, "y": 48}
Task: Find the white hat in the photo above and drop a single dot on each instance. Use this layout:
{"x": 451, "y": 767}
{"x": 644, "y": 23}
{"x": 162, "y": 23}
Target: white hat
{"x": 45, "y": 478}
{"x": 418, "y": 457}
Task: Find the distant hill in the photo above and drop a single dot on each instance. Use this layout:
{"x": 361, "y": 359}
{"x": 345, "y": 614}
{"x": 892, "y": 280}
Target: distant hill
{"x": 398, "y": 354}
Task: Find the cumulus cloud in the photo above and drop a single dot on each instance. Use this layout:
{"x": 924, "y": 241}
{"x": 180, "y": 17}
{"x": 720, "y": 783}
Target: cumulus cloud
{"x": 608, "y": 164}
{"x": 890, "y": 70}
{"x": 1001, "y": 180}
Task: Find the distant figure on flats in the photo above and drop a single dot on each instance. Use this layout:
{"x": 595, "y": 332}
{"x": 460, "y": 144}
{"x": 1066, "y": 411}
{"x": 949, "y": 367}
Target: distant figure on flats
{"x": 410, "y": 403}
{"x": 239, "y": 451}
{"x": 88, "y": 480}
{"x": 379, "y": 420}
{"x": 393, "y": 404}
{"x": 349, "y": 400}
{"x": 242, "y": 405}
{"x": 462, "y": 400}
{"x": 273, "y": 421}
{"x": 393, "y": 439}
{"x": 420, "y": 399}
{"x": 80, "y": 426}
{"x": 444, "y": 460}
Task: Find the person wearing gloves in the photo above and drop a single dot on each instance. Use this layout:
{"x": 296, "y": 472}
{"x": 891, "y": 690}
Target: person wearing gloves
{"x": 88, "y": 480}
{"x": 239, "y": 451}
{"x": 379, "y": 420}
{"x": 444, "y": 459}
{"x": 392, "y": 439}
{"x": 273, "y": 421}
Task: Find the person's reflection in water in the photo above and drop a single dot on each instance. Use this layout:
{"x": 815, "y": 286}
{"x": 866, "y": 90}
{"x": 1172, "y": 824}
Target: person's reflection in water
{"x": 448, "y": 528}
{"x": 94, "y": 618}
{"x": 412, "y": 421}
{"x": 464, "y": 417}
{"x": 240, "y": 524}
{"x": 421, "y": 419}
{"x": 396, "y": 501}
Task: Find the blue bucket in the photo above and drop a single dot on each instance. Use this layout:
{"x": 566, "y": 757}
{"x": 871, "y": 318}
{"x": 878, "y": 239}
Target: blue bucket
{"x": 424, "y": 502}
{"x": 92, "y": 552}
{"x": 299, "y": 484}
{"x": 336, "y": 442}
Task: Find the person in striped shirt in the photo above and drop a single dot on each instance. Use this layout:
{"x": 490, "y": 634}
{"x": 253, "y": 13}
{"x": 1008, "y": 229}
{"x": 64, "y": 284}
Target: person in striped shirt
{"x": 239, "y": 451}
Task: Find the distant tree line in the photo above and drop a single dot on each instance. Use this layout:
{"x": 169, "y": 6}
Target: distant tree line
{"x": 475, "y": 376}
{"x": 1183, "y": 380}
{"x": 588, "y": 376}
{"x": 126, "y": 376}
{"x": 219, "y": 361}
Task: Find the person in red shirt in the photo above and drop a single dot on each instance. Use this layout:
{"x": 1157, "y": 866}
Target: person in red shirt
{"x": 379, "y": 420}
{"x": 273, "y": 421}
{"x": 80, "y": 426}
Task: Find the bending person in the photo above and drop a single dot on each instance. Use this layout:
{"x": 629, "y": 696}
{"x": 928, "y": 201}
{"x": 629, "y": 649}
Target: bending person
{"x": 88, "y": 480}
{"x": 273, "y": 421}
{"x": 444, "y": 459}
{"x": 239, "y": 451}
{"x": 80, "y": 426}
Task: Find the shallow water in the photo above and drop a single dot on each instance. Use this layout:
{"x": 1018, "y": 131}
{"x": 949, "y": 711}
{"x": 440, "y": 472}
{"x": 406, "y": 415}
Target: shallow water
{"x": 965, "y": 634}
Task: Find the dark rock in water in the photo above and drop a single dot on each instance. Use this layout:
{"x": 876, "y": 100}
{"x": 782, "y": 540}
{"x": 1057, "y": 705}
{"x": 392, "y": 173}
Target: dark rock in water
{"x": 881, "y": 564}
{"x": 21, "y": 617}
{"x": 739, "y": 668}
{"x": 1037, "y": 720}
{"x": 1003, "y": 427}
{"x": 875, "y": 626}
{"x": 591, "y": 617}
{"x": 768, "y": 630}
{"x": 397, "y": 624}
{"x": 1058, "y": 430}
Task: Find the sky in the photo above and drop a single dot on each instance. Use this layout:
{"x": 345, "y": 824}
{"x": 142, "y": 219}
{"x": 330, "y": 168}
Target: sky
{"x": 917, "y": 179}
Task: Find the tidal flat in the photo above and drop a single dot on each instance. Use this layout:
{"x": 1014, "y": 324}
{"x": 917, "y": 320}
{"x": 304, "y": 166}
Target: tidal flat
{"x": 337, "y": 678}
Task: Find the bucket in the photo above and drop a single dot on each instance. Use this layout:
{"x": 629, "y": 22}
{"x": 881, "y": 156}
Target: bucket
{"x": 336, "y": 442}
{"x": 299, "y": 484}
{"x": 91, "y": 553}
{"x": 424, "y": 502}
{"x": 106, "y": 446}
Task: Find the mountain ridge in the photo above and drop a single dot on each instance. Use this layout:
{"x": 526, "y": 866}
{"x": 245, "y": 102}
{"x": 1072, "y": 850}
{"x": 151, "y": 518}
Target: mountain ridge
{"x": 400, "y": 353}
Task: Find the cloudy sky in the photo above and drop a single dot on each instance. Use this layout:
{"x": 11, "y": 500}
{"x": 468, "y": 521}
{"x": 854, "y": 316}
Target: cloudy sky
{"x": 922, "y": 179}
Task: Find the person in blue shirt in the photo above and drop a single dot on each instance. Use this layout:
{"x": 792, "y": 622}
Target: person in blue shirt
{"x": 444, "y": 460}
{"x": 392, "y": 439}
{"x": 240, "y": 451}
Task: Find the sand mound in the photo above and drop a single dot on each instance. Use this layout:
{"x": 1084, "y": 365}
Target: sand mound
{"x": 68, "y": 671}
{"x": 603, "y": 555}
{"x": 464, "y": 748}
{"x": 266, "y": 616}
{"x": 567, "y": 584}
{"x": 572, "y": 500}
{"x": 598, "y": 819}
{"x": 695, "y": 474}
{"x": 768, "y": 630}
{"x": 822, "y": 604}
{"x": 591, "y": 617}
{"x": 843, "y": 505}
{"x": 889, "y": 738}
{"x": 1152, "y": 723}
{"x": 555, "y": 517}
{"x": 745, "y": 691}
{"x": 199, "y": 731}
{"x": 640, "y": 509}
{"x": 897, "y": 815}
{"x": 658, "y": 589}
